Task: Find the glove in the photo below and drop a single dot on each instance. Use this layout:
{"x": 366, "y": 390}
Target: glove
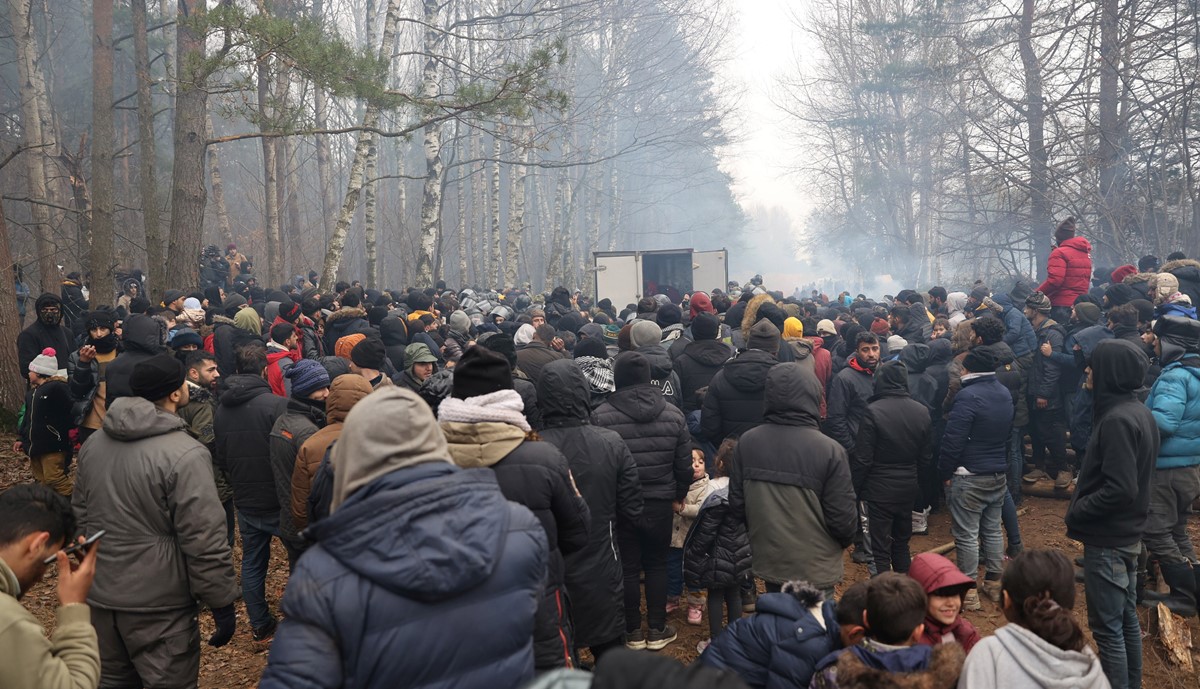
{"x": 226, "y": 620}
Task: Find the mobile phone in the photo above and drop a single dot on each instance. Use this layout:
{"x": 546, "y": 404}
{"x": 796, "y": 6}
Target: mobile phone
{"x": 77, "y": 547}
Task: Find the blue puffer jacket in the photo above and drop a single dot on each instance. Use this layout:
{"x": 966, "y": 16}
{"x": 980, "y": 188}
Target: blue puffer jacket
{"x": 1018, "y": 332}
{"x": 978, "y": 427}
{"x": 426, "y": 577}
{"x": 779, "y": 646}
{"x": 1175, "y": 403}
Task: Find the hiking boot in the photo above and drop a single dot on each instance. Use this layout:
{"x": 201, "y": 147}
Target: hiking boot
{"x": 971, "y": 601}
{"x": 1182, "y": 580}
{"x": 1035, "y": 476}
{"x": 266, "y": 631}
{"x": 1063, "y": 480}
{"x": 991, "y": 589}
{"x": 920, "y": 523}
{"x": 635, "y": 640}
{"x": 658, "y": 639}
{"x": 860, "y": 556}
{"x": 694, "y": 615}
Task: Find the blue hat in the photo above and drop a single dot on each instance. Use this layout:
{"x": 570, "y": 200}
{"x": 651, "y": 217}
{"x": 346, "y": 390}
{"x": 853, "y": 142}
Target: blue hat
{"x": 307, "y": 377}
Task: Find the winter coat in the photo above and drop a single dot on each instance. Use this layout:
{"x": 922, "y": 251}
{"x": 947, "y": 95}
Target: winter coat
{"x": 716, "y": 553}
{"x": 47, "y": 422}
{"x": 895, "y": 441}
{"x": 871, "y": 665}
{"x": 662, "y": 374}
{"x": 1187, "y": 272}
{"x": 37, "y": 336}
{"x": 780, "y": 645}
{"x": 345, "y": 321}
{"x": 848, "y": 395}
{"x": 278, "y": 361}
{"x": 934, "y": 572}
{"x": 74, "y": 305}
{"x": 1016, "y": 658}
{"x": 311, "y": 344}
{"x": 533, "y": 356}
{"x": 1112, "y": 494}
{"x": 978, "y": 428}
{"x": 1044, "y": 379}
{"x": 1068, "y": 272}
{"x": 682, "y": 521}
{"x": 657, "y": 436}
{"x": 143, "y": 337}
{"x": 291, "y": 430}
{"x": 528, "y": 392}
{"x": 806, "y": 353}
{"x": 84, "y": 382}
{"x": 345, "y": 391}
{"x": 150, "y": 485}
{"x": 607, "y": 478}
{"x": 226, "y": 337}
{"x": 393, "y": 330}
{"x": 536, "y": 475}
{"x": 421, "y": 544}
{"x": 791, "y": 484}
{"x": 696, "y": 366}
{"x": 198, "y": 414}
{"x": 734, "y": 403}
{"x": 246, "y": 413}
{"x": 1175, "y": 403}
{"x": 922, "y": 386}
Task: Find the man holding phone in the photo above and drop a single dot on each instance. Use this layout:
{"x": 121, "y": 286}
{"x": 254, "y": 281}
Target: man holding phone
{"x": 35, "y": 523}
{"x": 149, "y": 484}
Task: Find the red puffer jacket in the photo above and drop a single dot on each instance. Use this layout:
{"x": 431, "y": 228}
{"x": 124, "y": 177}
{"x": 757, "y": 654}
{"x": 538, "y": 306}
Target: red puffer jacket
{"x": 1068, "y": 272}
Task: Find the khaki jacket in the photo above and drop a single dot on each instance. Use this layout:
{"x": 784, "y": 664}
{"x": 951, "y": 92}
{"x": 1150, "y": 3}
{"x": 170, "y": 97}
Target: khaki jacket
{"x": 69, "y": 659}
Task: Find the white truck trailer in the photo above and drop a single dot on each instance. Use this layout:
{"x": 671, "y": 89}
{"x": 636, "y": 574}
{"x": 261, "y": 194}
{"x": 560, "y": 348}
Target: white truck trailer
{"x": 627, "y": 276}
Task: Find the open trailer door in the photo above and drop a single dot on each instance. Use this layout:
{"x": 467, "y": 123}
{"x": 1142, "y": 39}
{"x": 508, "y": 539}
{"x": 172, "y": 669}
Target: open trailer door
{"x": 710, "y": 270}
{"x": 618, "y": 277}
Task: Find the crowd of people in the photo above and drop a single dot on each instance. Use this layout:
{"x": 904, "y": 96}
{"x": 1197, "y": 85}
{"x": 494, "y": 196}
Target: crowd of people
{"x": 473, "y": 486}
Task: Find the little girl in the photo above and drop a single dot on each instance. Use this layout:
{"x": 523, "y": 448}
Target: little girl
{"x": 717, "y": 551}
{"x": 685, "y": 515}
{"x": 945, "y": 587}
{"x": 1044, "y": 645}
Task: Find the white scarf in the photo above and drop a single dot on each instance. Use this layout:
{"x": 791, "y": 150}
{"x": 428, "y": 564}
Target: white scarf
{"x": 502, "y": 406}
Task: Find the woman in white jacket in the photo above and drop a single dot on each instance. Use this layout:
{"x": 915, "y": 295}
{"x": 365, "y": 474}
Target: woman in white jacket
{"x": 1044, "y": 646}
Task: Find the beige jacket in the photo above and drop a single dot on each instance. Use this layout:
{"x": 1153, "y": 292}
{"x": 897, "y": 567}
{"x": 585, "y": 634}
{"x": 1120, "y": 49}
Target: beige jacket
{"x": 69, "y": 659}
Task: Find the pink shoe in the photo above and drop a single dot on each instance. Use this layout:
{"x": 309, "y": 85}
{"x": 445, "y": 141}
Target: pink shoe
{"x": 672, "y": 604}
{"x": 694, "y": 615}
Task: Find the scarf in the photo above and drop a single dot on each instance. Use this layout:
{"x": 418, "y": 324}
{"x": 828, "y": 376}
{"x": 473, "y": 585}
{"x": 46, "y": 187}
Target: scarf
{"x": 852, "y": 362}
{"x": 502, "y": 406}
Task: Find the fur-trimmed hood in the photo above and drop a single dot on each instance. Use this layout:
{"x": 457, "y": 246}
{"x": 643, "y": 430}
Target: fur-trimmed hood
{"x": 1171, "y": 266}
{"x": 1145, "y": 278}
{"x": 345, "y": 312}
{"x": 219, "y": 319}
{"x": 945, "y": 665}
{"x": 750, "y": 316}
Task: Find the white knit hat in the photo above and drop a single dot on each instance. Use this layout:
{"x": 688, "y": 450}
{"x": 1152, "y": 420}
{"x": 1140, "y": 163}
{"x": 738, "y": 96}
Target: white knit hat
{"x": 46, "y": 363}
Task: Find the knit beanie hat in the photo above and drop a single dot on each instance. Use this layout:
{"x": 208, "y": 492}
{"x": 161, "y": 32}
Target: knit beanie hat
{"x": 481, "y": 371}
{"x": 460, "y": 322}
{"x": 612, "y": 333}
{"x": 1122, "y": 272}
{"x": 705, "y": 326}
{"x": 370, "y": 353}
{"x": 826, "y": 327}
{"x": 503, "y": 345}
{"x": 895, "y": 343}
{"x": 1145, "y": 310}
{"x": 172, "y": 295}
{"x": 185, "y": 336}
{"x": 624, "y": 340}
{"x": 979, "y": 293}
{"x": 157, "y": 377}
{"x": 630, "y": 368}
{"x": 590, "y": 347}
{"x": 345, "y": 344}
{"x": 192, "y": 303}
{"x": 1038, "y": 302}
{"x": 1065, "y": 230}
{"x": 669, "y": 315}
{"x": 979, "y": 361}
{"x": 289, "y": 311}
{"x": 307, "y": 377}
{"x": 880, "y": 327}
{"x": 644, "y": 333}
{"x": 1087, "y": 313}
{"x": 1020, "y": 291}
{"x": 233, "y": 302}
{"x": 101, "y": 318}
{"x": 46, "y": 363}
{"x": 764, "y": 336}
{"x": 700, "y": 303}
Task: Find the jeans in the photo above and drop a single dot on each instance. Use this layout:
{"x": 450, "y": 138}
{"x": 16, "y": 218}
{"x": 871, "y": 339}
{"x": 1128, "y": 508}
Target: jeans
{"x": 1172, "y": 492}
{"x": 1110, "y": 578}
{"x": 1016, "y": 463}
{"x": 730, "y": 598}
{"x": 890, "y": 530}
{"x": 643, "y": 548}
{"x": 1012, "y": 525}
{"x": 975, "y": 505}
{"x": 256, "y": 558}
{"x": 1048, "y": 431}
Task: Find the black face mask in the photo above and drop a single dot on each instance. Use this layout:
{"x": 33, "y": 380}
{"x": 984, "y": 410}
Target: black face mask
{"x": 105, "y": 344}
{"x": 50, "y": 317}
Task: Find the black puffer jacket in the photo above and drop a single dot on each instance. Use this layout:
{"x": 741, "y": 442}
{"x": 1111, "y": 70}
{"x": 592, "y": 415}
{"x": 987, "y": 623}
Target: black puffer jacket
{"x": 245, "y": 415}
{"x": 734, "y": 403}
{"x": 143, "y": 336}
{"x": 528, "y": 392}
{"x": 345, "y": 321}
{"x": 894, "y": 440}
{"x": 607, "y": 477}
{"x": 922, "y": 386}
{"x": 696, "y": 366}
{"x": 662, "y": 373}
{"x": 716, "y": 553}
{"x": 657, "y": 436}
{"x": 848, "y": 394}
{"x": 227, "y": 338}
{"x": 393, "y": 330}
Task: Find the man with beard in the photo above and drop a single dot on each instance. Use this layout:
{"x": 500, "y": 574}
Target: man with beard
{"x": 46, "y": 331}
{"x": 85, "y": 372}
{"x": 202, "y": 377}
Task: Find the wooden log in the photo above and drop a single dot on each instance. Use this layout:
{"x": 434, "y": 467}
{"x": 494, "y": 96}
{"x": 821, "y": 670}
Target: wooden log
{"x": 1044, "y": 489}
{"x": 1175, "y": 635}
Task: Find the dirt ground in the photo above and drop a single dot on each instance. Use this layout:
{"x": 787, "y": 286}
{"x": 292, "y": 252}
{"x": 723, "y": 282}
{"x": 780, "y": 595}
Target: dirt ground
{"x": 240, "y": 663}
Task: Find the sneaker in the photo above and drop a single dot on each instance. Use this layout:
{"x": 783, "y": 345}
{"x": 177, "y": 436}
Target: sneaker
{"x": 694, "y": 615}
{"x": 920, "y": 523}
{"x": 266, "y": 631}
{"x": 658, "y": 639}
{"x": 1013, "y": 551}
{"x": 672, "y": 604}
{"x": 703, "y": 645}
{"x": 1063, "y": 480}
{"x": 1035, "y": 476}
{"x": 635, "y": 640}
{"x": 971, "y": 601}
{"x": 991, "y": 589}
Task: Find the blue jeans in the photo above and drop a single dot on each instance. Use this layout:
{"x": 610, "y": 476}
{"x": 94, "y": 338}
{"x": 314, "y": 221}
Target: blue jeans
{"x": 1012, "y": 525}
{"x": 256, "y": 558}
{"x": 1110, "y": 578}
{"x": 975, "y": 504}
{"x": 1016, "y": 464}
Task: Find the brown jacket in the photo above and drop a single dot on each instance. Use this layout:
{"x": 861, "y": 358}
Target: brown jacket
{"x": 344, "y": 393}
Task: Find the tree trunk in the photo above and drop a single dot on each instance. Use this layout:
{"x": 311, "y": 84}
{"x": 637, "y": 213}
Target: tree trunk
{"x": 460, "y": 192}
{"x": 148, "y": 180}
{"x": 12, "y": 388}
{"x": 36, "y": 136}
{"x": 321, "y": 119}
{"x": 1109, "y": 144}
{"x": 1041, "y": 227}
{"x": 100, "y": 255}
{"x": 270, "y": 150}
{"x": 218, "y": 187}
{"x": 497, "y": 259}
{"x": 516, "y": 215}
{"x": 369, "y": 212}
{"x": 431, "y": 201}
{"x": 188, "y": 193}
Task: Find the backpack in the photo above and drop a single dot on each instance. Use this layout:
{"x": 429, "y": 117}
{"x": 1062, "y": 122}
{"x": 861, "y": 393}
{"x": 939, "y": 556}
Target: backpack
{"x": 320, "y": 495}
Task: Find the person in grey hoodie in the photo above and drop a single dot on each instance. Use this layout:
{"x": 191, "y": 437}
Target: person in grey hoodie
{"x": 1043, "y": 647}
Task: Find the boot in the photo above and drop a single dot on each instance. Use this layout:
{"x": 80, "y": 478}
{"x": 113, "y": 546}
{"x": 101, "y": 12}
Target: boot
{"x": 920, "y": 523}
{"x": 1182, "y": 580}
